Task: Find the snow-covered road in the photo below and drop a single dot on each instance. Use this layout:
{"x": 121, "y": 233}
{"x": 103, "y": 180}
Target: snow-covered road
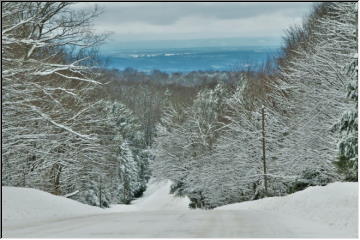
{"x": 306, "y": 214}
{"x": 180, "y": 224}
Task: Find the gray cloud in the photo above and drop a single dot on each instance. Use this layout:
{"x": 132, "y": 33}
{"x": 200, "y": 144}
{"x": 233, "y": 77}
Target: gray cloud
{"x": 169, "y": 13}
{"x": 144, "y": 21}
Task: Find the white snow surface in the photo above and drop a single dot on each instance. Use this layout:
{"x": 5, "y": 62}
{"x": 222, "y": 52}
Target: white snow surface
{"x": 25, "y": 205}
{"x": 335, "y": 205}
{"x": 155, "y": 198}
{"x": 329, "y": 211}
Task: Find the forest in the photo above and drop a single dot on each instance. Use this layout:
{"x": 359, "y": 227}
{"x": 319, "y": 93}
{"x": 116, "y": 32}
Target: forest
{"x": 73, "y": 128}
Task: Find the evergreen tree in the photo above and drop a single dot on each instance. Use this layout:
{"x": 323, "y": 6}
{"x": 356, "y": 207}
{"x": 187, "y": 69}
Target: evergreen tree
{"x": 347, "y": 162}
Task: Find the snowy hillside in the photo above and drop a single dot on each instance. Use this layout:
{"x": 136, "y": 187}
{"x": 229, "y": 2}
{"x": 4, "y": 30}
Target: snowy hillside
{"x": 335, "y": 205}
{"x": 329, "y": 211}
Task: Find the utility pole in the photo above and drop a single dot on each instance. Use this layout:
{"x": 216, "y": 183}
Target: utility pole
{"x": 100, "y": 190}
{"x": 263, "y": 148}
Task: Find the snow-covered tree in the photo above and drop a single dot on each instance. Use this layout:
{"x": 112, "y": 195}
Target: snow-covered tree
{"x": 311, "y": 89}
{"x": 44, "y": 91}
{"x": 347, "y": 162}
{"x": 58, "y": 136}
{"x": 185, "y": 135}
{"x": 128, "y": 150}
{"x": 170, "y": 147}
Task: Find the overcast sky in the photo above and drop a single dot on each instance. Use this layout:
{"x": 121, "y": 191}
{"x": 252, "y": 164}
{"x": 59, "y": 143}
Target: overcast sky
{"x": 131, "y": 21}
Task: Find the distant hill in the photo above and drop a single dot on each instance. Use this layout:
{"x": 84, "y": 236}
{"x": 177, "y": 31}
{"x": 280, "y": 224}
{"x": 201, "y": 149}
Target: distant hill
{"x": 185, "y": 60}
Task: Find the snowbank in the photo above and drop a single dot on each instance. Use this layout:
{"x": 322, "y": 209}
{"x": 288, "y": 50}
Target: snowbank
{"x": 335, "y": 205}
{"x": 24, "y": 205}
{"x": 27, "y": 205}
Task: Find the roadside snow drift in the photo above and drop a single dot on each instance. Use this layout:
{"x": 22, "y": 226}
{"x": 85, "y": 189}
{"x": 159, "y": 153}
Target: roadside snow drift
{"x": 24, "y": 205}
{"x": 27, "y": 205}
{"x": 335, "y": 205}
